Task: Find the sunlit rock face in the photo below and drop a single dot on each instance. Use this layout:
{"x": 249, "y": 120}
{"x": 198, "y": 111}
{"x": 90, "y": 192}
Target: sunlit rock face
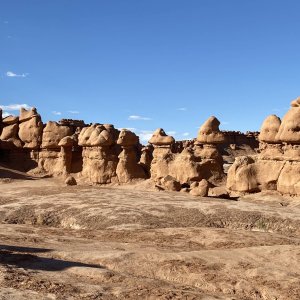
{"x": 277, "y": 165}
{"x": 194, "y": 161}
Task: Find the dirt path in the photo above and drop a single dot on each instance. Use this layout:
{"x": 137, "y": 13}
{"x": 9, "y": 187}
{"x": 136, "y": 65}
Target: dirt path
{"x": 85, "y": 242}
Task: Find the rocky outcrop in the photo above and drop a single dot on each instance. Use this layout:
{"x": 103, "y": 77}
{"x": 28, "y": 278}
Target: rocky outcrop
{"x": 209, "y": 132}
{"x": 190, "y": 161}
{"x": 30, "y": 128}
{"x": 9, "y": 136}
{"x": 99, "y": 156}
{"x": 128, "y": 167}
{"x": 277, "y": 166}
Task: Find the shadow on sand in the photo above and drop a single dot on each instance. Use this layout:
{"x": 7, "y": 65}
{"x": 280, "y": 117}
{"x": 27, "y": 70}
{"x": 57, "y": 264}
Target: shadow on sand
{"x": 28, "y": 260}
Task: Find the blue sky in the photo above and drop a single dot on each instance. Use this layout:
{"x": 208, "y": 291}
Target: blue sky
{"x": 148, "y": 64}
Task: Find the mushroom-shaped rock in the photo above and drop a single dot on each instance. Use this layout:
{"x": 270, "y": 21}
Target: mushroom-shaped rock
{"x": 26, "y": 115}
{"x": 53, "y": 133}
{"x": 289, "y": 130}
{"x": 95, "y": 135}
{"x": 210, "y": 133}
{"x": 160, "y": 138}
{"x": 269, "y": 129}
{"x": 66, "y": 142}
{"x": 127, "y": 138}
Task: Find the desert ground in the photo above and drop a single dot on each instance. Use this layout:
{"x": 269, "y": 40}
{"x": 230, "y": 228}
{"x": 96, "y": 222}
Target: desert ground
{"x": 130, "y": 242}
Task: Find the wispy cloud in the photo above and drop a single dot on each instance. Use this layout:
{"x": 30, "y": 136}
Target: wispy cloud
{"x": 186, "y": 134}
{"x": 138, "y": 118}
{"x": 12, "y": 74}
{"x": 171, "y": 132}
{"x": 5, "y": 114}
{"x": 128, "y": 128}
{"x": 182, "y": 108}
{"x": 74, "y": 112}
{"x": 12, "y": 107}
{"x": 224, "y": 123}
{"x": 56, "y": 113}
{"x": 145, "y": 135}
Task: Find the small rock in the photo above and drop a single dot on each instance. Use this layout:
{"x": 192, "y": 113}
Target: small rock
{"x": 170, "y": 183}
{"x": 201, "y": 190}
{"x": 70, "y": 180}
{"x": 194, "y": 184}
{"x": 218, "y": 192}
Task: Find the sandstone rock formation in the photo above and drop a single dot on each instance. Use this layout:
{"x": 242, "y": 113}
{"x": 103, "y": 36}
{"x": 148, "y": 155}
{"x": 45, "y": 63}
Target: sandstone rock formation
{"x": 128, "y": 167}
{"x": 209, "y": 132}
{"x": 188, "y": 162}
{"x": 99, "y": 158}
{"x": 277, "y": 165}
{"x": 31, "y": 128}
{"x": 269, "y": 129}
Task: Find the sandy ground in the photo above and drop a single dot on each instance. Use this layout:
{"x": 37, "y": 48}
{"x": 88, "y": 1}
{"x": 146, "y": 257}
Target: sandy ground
{"x": 88, "y": 242}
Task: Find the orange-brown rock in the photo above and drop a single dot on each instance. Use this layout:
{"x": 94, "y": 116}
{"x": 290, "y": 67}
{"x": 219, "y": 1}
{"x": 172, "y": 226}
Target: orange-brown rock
{"x": 269, "y": 129}
{"x": 53, "y": 133}
{"x": 128, "y": 167}
{"x": 95, "y": 135}
{"x": 201, "y": 190}
{"x": 9, "y": 137}
{"x": 127, "y": 138}
{"x": 99, "y": 164}
{"x": 210, "y": 133}
{"x": 160, "y": 138}
{"x": 289, "y": 130}
{"x": 26, "y": 115}
{"x": 30, "y": 132}
{"x": 9, "y": 120}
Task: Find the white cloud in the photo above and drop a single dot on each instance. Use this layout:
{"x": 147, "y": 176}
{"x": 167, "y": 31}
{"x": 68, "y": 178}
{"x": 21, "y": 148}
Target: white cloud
{"x": 138, "y": 118}
{"x": 224, "y": 123}
{"x": 57, "y": 113}
{"x": 12, "y": 74}
{"x": 182, "y": 108}
{"x": 186, "y": 134}
{"x": 128, "y": 128}
{"x": 145, "y": 135}
{"x": 12, "y": 107}
{"x": 171, "y": 132}
{"x": 74, "y": 112}
{"x": 5, "y": 114}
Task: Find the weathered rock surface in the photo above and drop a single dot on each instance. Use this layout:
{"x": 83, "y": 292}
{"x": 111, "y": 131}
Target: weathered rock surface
{"x": 277, "y": 166}
{"x": 53, "y": 133}
{"x": 128, "y": 167}
{"x": 269, "y": 129}
{"x": 210, "y": 133}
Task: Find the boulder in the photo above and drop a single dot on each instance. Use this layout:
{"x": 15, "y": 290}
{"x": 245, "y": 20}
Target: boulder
{"x": 169, "y": 183}
{"x": 66, "y": 142}
{"x": 127, "y": 138}
{"x": 95, "y": 135}
{"x": 210, "y": 133}
{"x": 160, "y": 138}
{"x": 289, "y": 130}
{"x": 218, "y": 192}
{"x": 53, "y": 133}
{"x": 201, "y": 190}
{"x": 269, "y": 129}
{"x": 30, "y": 132}
{"x": 70, "y": 180}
